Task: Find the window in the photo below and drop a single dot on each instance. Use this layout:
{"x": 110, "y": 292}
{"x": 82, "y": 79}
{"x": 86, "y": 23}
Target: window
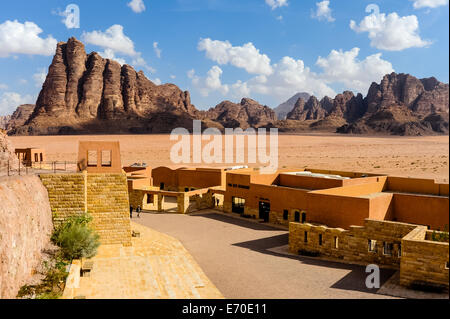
{"x": 92, "y": 158}
{"x": 230, "y": 185}
{"x": 106, "y": 159}
{"x": 42, "y": 157}
{"x": 149, "y": 199}
{"x": 320, "y": 240}
{"x": 285, "y": 214}
{"x": 372, "y": 245}
{"x": 446, "y": 265}
{"x": 303, "y": 217}
{"x": 387, "y": 249}
{"x": 297, "y": 217}
{"x": 399, "y": 250}
{"x": 186, "y": 189}
{"x": 36, "y": 157}
{"x": 306, "y": 236}
{"x": 336, "y": 242}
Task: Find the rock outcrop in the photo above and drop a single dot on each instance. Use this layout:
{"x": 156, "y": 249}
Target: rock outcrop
{"x": 25, "y": 229}
{"x": 7, "y": 154}
{"x": 283, "y": 109}
{"x": 88, "y": 94}
{"x": 311, "y": 110}
{"x": 20, "y": 116}
{"x": 248, "y": 113}
{"x": 4, "y": 120}
{"x": 403, "y": 105}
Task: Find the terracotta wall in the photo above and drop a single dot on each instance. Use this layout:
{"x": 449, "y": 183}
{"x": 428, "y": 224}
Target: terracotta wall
{"x": 382, "y": 207}
{"x": 413, "y": 185}
{"x": 308, "y": 182}
{"x": 430, "y": 211}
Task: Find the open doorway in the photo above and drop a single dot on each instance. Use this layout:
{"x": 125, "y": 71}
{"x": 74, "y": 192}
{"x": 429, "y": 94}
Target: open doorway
{"x": 264, "y": 211}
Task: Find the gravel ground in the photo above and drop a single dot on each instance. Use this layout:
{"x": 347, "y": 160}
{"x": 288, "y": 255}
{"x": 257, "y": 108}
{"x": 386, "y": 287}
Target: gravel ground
{"x": 238, "y": 257}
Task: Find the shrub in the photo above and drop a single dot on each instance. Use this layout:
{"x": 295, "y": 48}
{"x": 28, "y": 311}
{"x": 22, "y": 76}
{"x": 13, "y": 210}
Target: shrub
{"x": 441, "y": 236}
{"x": 76, "y": 239}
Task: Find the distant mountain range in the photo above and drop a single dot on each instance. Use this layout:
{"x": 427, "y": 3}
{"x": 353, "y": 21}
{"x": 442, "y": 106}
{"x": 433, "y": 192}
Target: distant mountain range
{"x": 86, "y": 94}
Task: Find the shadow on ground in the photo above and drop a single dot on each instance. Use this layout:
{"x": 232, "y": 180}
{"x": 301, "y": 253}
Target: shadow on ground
{"x": 237, "y": 222}
{"x": 355, "y": 280}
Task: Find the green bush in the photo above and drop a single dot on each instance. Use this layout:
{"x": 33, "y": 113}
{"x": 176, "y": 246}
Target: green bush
{"x": 76, "y": 239}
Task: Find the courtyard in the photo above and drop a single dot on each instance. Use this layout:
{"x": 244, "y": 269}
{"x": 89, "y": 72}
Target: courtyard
{"x": 249, "y": 260}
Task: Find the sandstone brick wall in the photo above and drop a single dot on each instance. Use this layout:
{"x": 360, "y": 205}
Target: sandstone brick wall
{"x": 66, "y": 194}
{"x": 25, "y": 230}
{"x": 424, "y": 260}
{"x": 417, "y": 258}
{"x": 353, "y": 244}
{"x": 104, "y": 196}
{"x": 108, "y": 203}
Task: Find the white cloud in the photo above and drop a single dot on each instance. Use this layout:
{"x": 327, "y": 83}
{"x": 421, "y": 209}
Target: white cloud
{"x": 113, "y": 38}
{"x": 323, "y": 11}
{"x": 279, "y": 18}
{"x": 346, "y": 68}
{"x": 290, "y": 76}
{"x": 3, "y": 86}
{"x": 246, "y": 57}
{"x": 277, "y": 3}
{"x": 429, "y": 3}
{"x": 157, "y": 50}
{"x": 23, "y": 81}
{"x": 39, "y": 77}
{"x": 109, "y": 54}
{"x": 157, "y": 81}
{"x": 114, "y": 42}
{"x": 9, "y": 101}
{"x": 173, "y": 77}
{"x": 390, "y": 32}
{"x": 210, "y": 83}
{"x": 137, "y": 6}
{"x": 23, "y": 38}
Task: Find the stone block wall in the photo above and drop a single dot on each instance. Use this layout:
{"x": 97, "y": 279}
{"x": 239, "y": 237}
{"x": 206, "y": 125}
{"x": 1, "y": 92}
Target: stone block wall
{"x": 424, "y": 260}
{"x": 352, "y": 245}
{"x": 418, "y": 259}
{"x": 66, "y": 194}
{"x": 108, "y": 203}
{"x": 104, "y": 196}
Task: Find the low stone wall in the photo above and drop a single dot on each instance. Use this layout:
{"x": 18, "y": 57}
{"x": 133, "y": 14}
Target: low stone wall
{"x": 25, "y": 230}
{"x": 352, "y": 245}
{"x": 424, "y": 261}
{"x": 390, "y": 244}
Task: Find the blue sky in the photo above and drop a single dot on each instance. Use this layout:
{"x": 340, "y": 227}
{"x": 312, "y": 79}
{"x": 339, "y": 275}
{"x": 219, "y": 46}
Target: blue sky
{"x": 228, "y": 49}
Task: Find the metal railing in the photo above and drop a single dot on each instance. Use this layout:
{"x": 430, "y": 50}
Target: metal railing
{"x": 21, "y": 168}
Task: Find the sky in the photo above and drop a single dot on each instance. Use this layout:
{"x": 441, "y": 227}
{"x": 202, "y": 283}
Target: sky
{"x": 267, "y": 50}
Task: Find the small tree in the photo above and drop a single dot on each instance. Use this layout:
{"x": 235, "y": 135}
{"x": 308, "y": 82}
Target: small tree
{"x": 76, "y": 239}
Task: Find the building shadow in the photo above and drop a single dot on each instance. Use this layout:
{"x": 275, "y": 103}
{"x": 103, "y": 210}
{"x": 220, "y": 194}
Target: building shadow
{"x": 355, "y": 280}
{"x": 237, "y": 222}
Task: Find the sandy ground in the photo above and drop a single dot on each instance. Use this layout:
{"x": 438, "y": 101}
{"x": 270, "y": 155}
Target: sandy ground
{"x": 425, "y": 157}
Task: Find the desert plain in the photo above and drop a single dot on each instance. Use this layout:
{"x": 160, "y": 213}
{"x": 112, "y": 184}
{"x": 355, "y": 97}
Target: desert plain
{"x": 423, "y": 157}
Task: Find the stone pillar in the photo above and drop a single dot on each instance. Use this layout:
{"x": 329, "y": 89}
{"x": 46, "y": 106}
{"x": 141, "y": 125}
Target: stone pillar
{"x": 160, "y": 203}
{"x": 183, "y": 203}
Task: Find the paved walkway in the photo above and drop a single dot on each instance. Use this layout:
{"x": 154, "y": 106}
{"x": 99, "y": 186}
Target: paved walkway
{"x": 245, "y": 259}
{"x": 157, "y": 266}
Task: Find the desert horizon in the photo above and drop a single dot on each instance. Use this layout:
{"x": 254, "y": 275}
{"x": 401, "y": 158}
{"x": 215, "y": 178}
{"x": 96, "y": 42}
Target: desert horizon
{"x": 421, "y": 157}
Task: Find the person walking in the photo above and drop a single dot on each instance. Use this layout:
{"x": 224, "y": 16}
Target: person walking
{"x": 131, "y": 212}
{"x": 138, "y": 210}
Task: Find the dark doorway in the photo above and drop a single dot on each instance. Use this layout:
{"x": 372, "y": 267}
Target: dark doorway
{"x": 303, "y": 218}
{"x": 264, "y": 211}
{"x": 238, "y": 205}
{"x": 161, "y": 186}
{"x": 297, "y": 217}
